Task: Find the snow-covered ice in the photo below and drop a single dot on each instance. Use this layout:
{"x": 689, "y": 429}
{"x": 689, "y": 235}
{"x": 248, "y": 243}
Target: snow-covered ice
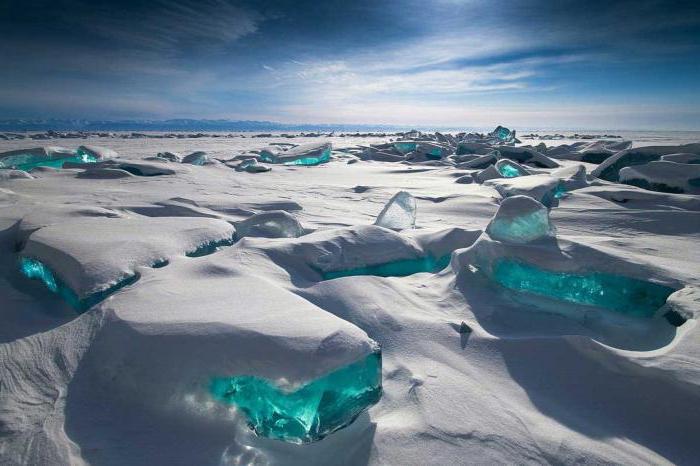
{"x": 162, "y": 304}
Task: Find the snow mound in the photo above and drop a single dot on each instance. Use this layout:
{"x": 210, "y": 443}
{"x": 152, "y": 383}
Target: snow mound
{"x": 592, "y": 152}
{"x": 573, "y": 177}
{"x": 14, "y": 175}
{"x": 140, "y": 168}
{"x": 101, "y": 173}
{"x": 663, "y": 176}
{"x": 609, "y": 170}
{"x": 528, "y": 156}
{"x": 115, "y": 247}
{"x": 682, "y": 158}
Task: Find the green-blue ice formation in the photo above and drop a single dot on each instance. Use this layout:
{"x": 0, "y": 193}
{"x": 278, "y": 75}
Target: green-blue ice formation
{"x": 307, "y": 413}
{"x": 560, "y": 191}
{"x": 400, "y": 268}
{"x": 618, "y": 293}
{"x": 508, "y": 171}
{"x": 405, "y": 146}
{"x": 503, "y": 134}
{"x": 35, "y": 269}
{"x": 323, "y": 157}
{"x": 56, "y": 160}
{"x": 210, "y": 247}
{"x": 520, "y": 219}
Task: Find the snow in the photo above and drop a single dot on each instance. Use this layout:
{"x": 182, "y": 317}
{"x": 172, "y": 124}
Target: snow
{"x": 501, "y": 354}
{"x": 91, "y": 255}
{"x": 664, "y": 176}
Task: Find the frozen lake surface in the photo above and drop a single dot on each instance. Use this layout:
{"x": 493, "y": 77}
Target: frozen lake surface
{"x": 156, "y": 311}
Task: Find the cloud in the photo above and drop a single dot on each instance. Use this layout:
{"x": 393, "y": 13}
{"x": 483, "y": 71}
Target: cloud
{"x": 170, "y": 27}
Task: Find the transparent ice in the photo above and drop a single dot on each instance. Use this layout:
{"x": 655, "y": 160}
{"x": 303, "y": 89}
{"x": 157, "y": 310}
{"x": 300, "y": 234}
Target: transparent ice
{"x": 626, "y": 295}
{"x": 399, "y": 213}
{"x": 520, "y": 219}
{"x": 310, "y": 412}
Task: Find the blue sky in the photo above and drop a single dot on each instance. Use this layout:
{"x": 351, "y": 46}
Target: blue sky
{"x": 536, "y": 64}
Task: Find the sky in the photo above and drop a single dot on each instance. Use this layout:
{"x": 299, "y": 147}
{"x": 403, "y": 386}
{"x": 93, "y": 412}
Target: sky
{"x": 472, "y": 63}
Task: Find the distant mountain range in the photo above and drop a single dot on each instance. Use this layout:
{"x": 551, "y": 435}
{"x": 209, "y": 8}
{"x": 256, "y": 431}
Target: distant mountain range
{"x": 178, "y": 125}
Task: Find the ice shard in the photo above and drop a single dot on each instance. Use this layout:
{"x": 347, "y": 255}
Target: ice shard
{"x": 272, "y": 224}
{"x": 520, "y": 219}
{"x": 252, "y": 166}
{"x": 196, "y": 158}
{"x": 405, "y": 146}
{"x": 503, "y": 134}
{"x": 310, "y": 412}
{"x": 399, "y": 213}
{"x": 509, "y": 169}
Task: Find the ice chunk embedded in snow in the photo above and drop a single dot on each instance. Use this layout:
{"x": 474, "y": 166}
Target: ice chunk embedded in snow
{"x": 309, "y": 412}
{"x": 304, "y": 154}
{"x": 399, "y": 213}
{"x": 252, "y": 166}
{"x": 488, "y": 173}
{"x": 609, "y": 170}
{"x": 54, "y": 157}
{"x": 626, "y": 295}
{"x": 196, "y": 158}
{"x": 97, "y": 152}
{"x": 503, "y": 134}
{"x": 509, "y": 169}
{"x": 520, "y": 219}
{"x": 272, "y": 224}
{"x": 405, "y": 146}
{"x": 91, "y": 255}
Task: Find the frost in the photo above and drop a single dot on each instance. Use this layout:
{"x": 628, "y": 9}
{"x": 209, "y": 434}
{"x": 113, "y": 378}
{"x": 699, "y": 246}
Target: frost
{"x": 310, "y": 412}
{"x": 399, "y": 213}
{"x": 520, "y": 219}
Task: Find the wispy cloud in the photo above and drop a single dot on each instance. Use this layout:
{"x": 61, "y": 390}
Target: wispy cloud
{"x": 173, "y": 26}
